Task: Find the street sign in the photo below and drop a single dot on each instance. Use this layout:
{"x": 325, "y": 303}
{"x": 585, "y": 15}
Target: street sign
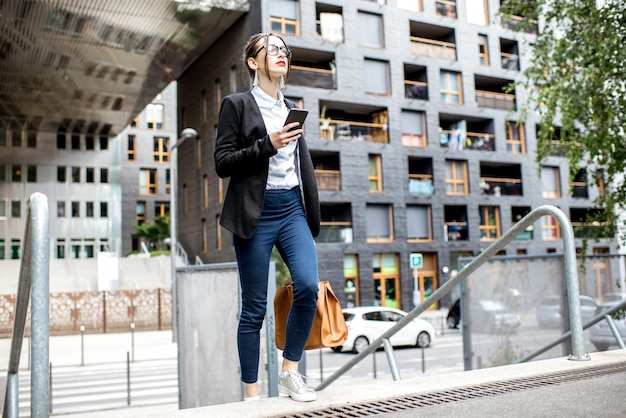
{"x": 416, "y": 260}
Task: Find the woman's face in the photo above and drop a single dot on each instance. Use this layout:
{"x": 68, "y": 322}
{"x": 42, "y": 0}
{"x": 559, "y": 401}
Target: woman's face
{"x": 277, "y": 60}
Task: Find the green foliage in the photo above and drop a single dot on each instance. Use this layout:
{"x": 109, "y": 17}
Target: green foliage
{"x": 576, "y": 81}
{"x": 154, "y": 233}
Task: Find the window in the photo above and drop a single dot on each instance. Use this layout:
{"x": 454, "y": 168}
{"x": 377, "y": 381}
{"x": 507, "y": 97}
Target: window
{"x": 160, "y": 151}
{"x": 16, "y": 173}
{"x": 134, "y": 122}
{"x": 489, "y": 223}
{"x": 370, "y": 27}
{"x": 104, "y": 175}
{"x": 550, "y": 229}
{"x": 517, "y": 213}
{"x": 410, "y": 5}
{"x": 351, "y": 276}
{"x": 154, "y": 116}
{"x": 421, "y": 176}
{"x": 418, "y": 222}
{"x": 579, "y": 184}
{"x": 284, "y": 17}
{"x": 131, "y": 152}
{"x": 412, "y": 124}
{"x": 75, "y": 174}
{"x": 61, "y": 139}
{"x": 3, "y": 209}
{"x": 329, "y": 22}
{"x": 89, "y": 175}
{"x": 89, "y": 209}
{"x": 515, "y": 138}
{"x": 336, "y": 223}
{"x": 375, "y": 173}
{"x": 386, "y": 279}
{"x": 3, "y": 136}
{"x": 205, "y": 191}
{"x": 16, "y": 136}
{"x": 75, "y": 248}
{"x": 31, "y": 138}
{"x": 446, "y": 8}
{"x": 483, "y": 50}
{"x": 75, "y": 139}
{"x": 89, "y": 142}
{"x": 104, "y": 142}
{"x": 104, "y": 209}
{"x": 147, "y": 181}
{"x": 60, "y": 209}
{"x": 16, "y": 245}
{"x": 477, "y": 12}
{"x": 168, "y": 182}
{"x": 31, "y": 174}
{"x": 455, "y": 223}
{"x": 75, "y": 209}
{"x": 450, "y": 87}
{"x": 376, "y": 77}
{"x": 205, "y": 237}
{"x": 3, "y": 175}
{"x": 162, "y": 209}
{"x": 551, "y": 182}
{"x": 509, "y": 54}
{"x": 379, "y": 223}
{"x": 218, "y": 237}
{"x": 2, "y": 251}
{"x": 140, "y": 213}
{"x": 456, "y": 178}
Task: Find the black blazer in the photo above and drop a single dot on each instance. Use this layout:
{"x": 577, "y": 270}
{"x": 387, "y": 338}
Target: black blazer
{"x": 242, "y": 152}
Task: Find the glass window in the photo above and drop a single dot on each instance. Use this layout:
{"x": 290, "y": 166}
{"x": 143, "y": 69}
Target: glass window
{"x": 483, "y": 50}
{"x": 31, "y": 174}
{"x": 2, "y": 251}
{"x": 131, "y": 153}
{"x": 61, "y": 139}
{"x": 60, "y": 209}
{"x": 104, "y": 209}
{"x": 550, "y": 229}
{"x": 3, "y": 173}
{"x": 75, "y": 209}
{"x": 370, "y": 27}
{"x": 16, "y": 209}
{"x": 155, "y": 115}
{"x": 351, "y": 276}
{"x": 418, "y": 223}
{"x": 375, "y": 173}
{"x": 489, "y": 223}
{"x": 379, "y": 223}
{"x": 76, "y": 174}
{"x": 376, "y": 77}
{"x": 61, "y": 174}
{"x": 16, "y": 173}
{"x": 446, "y": 8}
{"x": 284, "y": 17}
{"x": 412, "y": 125}
{"x": 411, "y": 5}
{"x": 75, "y": 140}
{"x": 147, "y": 181}
{"x": 3, "y": 208}
{"x": 456, "y": 178}
{"x": 450, "y": 87}
{"x": 160, "y": 151}
{"x": 140, "y": 215}
{"x": 89, "y": 208}
{"x": 477, "y": 12}
{"x": 551, "y": 182}
{"x": 15, "y": 248}
{"x": 89, "y": 174}
{"x": 515, "y": 138}
{"x": 104, "y": 175}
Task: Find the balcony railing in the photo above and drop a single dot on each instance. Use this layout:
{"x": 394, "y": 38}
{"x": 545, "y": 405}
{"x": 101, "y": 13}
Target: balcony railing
{"x": 414, "y": 140}
{"x": 421, "y": 184}
{"x": 328, "y": 179}
{"x": 509, "y": 61}
{"x": 312, "y": 77}
{"x": 494, "y": 100}
{"x": 433, "y": 48}
{"x": 466, "y": 140}
{"x": 331, "y": 129}
{"x": 415, "y": 89}
{"x": 497, "y": 186}
{"x": 335, "y": 232}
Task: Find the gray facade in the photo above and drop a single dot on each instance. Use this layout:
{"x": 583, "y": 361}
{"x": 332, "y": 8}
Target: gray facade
{"x": 421, "y": 53}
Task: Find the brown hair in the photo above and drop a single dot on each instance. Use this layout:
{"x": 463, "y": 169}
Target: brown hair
{"x": 251, "y": 48}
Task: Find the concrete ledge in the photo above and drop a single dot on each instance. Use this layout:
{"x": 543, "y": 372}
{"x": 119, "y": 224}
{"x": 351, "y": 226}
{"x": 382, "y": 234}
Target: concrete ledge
{"x": 360, "y": 393}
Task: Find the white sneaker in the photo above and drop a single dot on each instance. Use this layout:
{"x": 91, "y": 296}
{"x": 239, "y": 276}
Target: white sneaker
{"x": 290, "y": 383}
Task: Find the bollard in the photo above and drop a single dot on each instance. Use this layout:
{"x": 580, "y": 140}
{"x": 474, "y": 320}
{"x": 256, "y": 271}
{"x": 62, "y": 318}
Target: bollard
{"x": 423, "y": 361}
{"x": 82, "y": 345}
{"x": 132, "y": 340}
{"x": 127, "y": 378}
{"x": 374, "y": 357}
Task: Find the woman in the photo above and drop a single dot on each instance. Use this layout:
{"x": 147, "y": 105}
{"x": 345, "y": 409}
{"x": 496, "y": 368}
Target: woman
{"x": 271, "y": 200}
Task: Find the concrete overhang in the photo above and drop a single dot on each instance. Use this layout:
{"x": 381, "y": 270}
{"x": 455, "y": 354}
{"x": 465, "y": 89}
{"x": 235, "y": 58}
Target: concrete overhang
{"x": 93, "y": 65}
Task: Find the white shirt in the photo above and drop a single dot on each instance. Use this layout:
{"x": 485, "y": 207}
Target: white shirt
{"x": 282, "y": 169}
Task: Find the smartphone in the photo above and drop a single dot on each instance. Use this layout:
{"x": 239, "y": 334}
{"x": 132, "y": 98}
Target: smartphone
{"x": 296, "y": 115}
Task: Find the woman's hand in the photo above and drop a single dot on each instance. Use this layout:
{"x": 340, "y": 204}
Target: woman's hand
{"x": 282, "y": 138}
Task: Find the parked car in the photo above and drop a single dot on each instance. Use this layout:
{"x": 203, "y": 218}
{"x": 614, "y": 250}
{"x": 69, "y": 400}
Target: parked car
{"x": 600, "y": 334}
{"x": 548, "y": 312}
{"x": 367, "y": 323}
{"x": 487, "y": 316}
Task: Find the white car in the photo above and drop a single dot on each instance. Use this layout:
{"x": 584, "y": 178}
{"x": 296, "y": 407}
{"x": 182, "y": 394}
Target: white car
{"x": 367, "y": 323}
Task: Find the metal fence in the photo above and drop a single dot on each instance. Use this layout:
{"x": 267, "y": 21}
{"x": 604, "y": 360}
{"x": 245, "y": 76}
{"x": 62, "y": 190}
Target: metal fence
{"x": 98, "y": 312}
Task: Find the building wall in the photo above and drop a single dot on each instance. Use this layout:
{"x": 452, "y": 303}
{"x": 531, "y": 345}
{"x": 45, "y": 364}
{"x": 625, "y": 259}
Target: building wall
{"x": 351, "y": 83}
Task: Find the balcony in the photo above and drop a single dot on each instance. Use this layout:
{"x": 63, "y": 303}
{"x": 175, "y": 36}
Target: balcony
{"x": 500, "y": 179}
{"x": 415, "y": 82}
{"x": 421, "y": 176}
{"x": 515, "y": 21}
{"x": 503, "y": 101}
{"x": 313, "y": 69}
{"x": 466, "y": 140}
{"x": 350, "y": 122}
{"x": 328, "y": 179}
{"x": 432, "y": 41}
{"x": 336, "y": 223}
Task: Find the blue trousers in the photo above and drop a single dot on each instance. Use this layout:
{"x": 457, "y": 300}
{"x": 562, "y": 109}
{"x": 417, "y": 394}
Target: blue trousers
{"x": 283, "y": 225}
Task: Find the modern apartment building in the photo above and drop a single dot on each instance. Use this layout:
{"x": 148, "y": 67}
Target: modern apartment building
{"x": 415, "y": 137}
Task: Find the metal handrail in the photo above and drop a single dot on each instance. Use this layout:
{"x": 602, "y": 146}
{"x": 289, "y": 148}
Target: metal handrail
{"x": 604, "y": 315}
{"x": 34, "y": 278}
{"x": 571, "y": 276}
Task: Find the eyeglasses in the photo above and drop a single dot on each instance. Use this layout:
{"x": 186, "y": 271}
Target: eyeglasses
{"x": 272, "y": 50}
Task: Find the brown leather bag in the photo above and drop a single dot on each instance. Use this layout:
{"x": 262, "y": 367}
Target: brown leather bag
{"x": 329, "y": 327}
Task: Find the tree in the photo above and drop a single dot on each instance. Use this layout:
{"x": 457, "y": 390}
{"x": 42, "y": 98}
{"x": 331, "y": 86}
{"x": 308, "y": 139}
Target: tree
{"x": 577, "y": 81}
{"x": 155, "y": 233}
